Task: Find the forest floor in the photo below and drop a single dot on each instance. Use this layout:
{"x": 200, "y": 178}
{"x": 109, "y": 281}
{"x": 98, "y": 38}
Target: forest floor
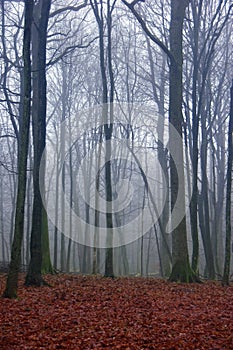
{"x": 85, "y": 312}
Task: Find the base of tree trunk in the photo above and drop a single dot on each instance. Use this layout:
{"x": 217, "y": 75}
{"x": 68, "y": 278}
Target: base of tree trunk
{"x": 11, "y": 284}
{"x": 109, "y": 275}
{"x": 10, "y": 294}
{"x": 225, "y": 282}
{"x": 35, "y": 280}
{"x": 48, "y": 270}
{"x": 183, "y": 273}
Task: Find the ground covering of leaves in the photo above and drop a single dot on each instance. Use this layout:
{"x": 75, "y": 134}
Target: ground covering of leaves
{"x": 85, "y": 312}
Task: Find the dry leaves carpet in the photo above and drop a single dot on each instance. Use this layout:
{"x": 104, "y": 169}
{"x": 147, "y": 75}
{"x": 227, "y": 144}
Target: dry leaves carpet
{"x": 82, "y": 312}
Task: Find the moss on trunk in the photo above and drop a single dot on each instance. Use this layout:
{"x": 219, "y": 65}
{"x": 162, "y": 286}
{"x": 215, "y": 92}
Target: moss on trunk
{"x": 183, "y": 273}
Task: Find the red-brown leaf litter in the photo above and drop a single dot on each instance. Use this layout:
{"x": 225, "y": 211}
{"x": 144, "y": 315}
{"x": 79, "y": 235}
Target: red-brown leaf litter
{"x": 86, "y": 312}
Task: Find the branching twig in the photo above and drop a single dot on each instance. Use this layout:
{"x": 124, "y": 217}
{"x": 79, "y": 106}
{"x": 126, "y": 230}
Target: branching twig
{"x": 70, "y": 49}
{"x": 146, "y": 29}
{"x": 68, "y": 8}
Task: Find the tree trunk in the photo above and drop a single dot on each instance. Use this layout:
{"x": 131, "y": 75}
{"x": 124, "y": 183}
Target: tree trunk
{"x": 46, "y": 266}
{"x": 205, "y": 204}
{"x": 41, "y": 15}
{"x": 181, "y": 270}
{"x": 159, "y": 98}
{"x": 12, "y": 279}
{"x": 195, "y": 128}
{"x": 108, "y": 126}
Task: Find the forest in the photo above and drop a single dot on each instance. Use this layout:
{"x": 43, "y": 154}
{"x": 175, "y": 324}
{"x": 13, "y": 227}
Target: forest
{"x": 116, "y": 132}
{"x": 115, "y": 136}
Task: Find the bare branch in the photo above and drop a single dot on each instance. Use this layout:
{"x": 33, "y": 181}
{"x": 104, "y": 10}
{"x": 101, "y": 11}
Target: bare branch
{"x": 7, "y": 168}
{"x": 146, "y": 29}
{"x": 68, "y": 8}
{"x": 70, "y": 49}
{"x": 7, "y": 135}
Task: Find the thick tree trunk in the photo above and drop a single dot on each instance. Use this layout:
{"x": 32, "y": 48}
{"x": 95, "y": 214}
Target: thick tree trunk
{"x": 181, "y": 270}
{"x": 41, "y": 14}
{"x": 12, "y": 279}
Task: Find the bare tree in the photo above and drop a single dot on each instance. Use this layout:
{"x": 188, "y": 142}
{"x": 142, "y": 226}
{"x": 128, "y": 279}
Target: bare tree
{"x": 12, "y": 279}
